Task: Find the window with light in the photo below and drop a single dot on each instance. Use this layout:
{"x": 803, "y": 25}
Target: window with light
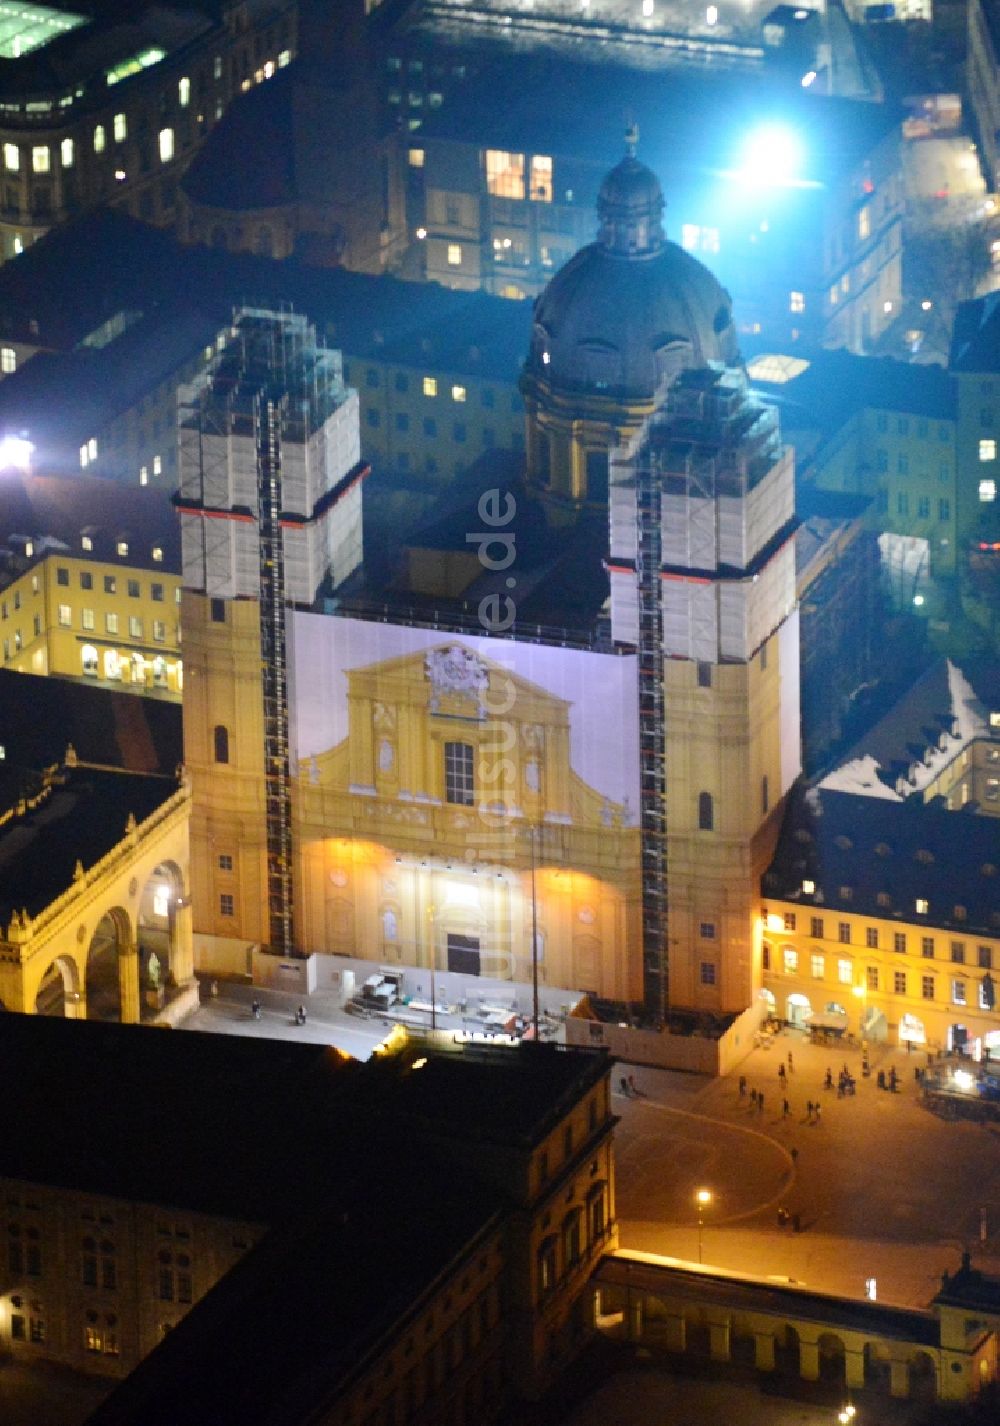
{"x": 505, "y": 174}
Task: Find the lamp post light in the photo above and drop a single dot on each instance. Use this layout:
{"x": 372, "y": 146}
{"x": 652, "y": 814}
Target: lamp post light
{"x": 703, "y": 1199}
{"x": 847, "y": 1415}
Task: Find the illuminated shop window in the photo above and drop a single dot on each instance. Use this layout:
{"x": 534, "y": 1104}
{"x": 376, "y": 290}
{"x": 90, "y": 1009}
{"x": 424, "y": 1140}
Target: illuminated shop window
{"x": 66, "y": 153}
{"x": 541, "y": 179}
{"x": 454, "y": 254}
{"x": 505, "y": 174}
{"x": 166, "y": 145}
{"x": 40, "y": 158}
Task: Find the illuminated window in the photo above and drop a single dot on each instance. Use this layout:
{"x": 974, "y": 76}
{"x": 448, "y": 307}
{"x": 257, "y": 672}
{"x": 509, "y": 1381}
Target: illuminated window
{"x": 988, "y": 450}
{"x": 505, "y": 174}
{"x": 845, "y": 972}
{"x": 159, "y": 631}
{"x": 157, "y": 466}
{"x": 454, "y": 254}
{"x": 958, "y": 992}
{"x": 458, "y": 777}
{"x": 158, "y": 557}
{"x": 40, "y": 158}
{"x": 99, "y": 139}
{"x": 416, "y": 158}
{"x": 541, "y": 179}
{"x": 134, "y": 626}
{"x": 834, "y": 295}
{"x": 143, "y": 475}
{"x": 84, "y": 458}
{"x": 987, "y": 490}
{"x": 120, "y": 128}
{"x": 871, "y": 975}
{"x": 184, "y": 91}
{"x": 166, "y": 143}
{"x": 284, "y": 57}
{"x": 65, "y": 616}
{"x": 430, "y": 386}
{"x": 864, "y": 223}
{"x": 87, "y": 618}
{"x": 111, "y": 623}
{"x": 11, "y": 158}
{"x": 796, "y": 302}
{"x": 17, "y": 244}
{"x": 458, "y": 393}
{"x": 817, "y": 965}
{"x": 791, "y": 960}
{"x": 8, "y": 360}
{"x": 122, "y": 548}
{"x": 920, "y": 906}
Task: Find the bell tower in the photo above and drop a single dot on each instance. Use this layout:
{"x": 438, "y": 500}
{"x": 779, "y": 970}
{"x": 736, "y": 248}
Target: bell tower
{"x": 702, "y": 568}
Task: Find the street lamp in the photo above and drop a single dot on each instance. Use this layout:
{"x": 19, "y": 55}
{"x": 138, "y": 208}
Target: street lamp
{"x": 702, "y": 1198}
{"x": 847, "y": 1414}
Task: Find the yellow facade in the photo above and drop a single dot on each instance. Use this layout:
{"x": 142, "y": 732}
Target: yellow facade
{"x": 79, "y": 617}
{"x": 386, "y": 866}
{"x": 88, "y": 954}
{"x": 723, "y": 739}
{"x": 897, "y": 980}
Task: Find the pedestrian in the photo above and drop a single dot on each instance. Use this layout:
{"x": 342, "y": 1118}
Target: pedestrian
{"x": 880, "y": 1079}
{"x": 781, "y": 1073}
{"x": 631, "y": 1087}
{"x": 794, "y": 1153}
{"x": 624, "y": 1086}
{"x": 786, "y": 1109}
{"x": 817, "y": 1107}
{"x": 753, "y": 1097}
{"x": 782, "y": 1217}
{"x": 828, "y": 1081}
{"x": 809, "y": 1110}
{"x": 743, "y": 1086}
{"x": 791, "y": 1067}
{"x": 909, "y": 1047}
{"x": 760, "y": 1103}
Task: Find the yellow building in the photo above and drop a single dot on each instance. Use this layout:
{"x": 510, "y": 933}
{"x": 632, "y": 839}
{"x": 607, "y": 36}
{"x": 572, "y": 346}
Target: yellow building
{"x": 416, "y": 832}
{"x": 883, "y": 918}
{"x": 90, "y": 584}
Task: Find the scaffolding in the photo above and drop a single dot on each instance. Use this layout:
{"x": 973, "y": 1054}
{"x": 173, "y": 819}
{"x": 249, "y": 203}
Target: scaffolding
{"x": 652, "y": 751}
{"x": 269, "y": 387}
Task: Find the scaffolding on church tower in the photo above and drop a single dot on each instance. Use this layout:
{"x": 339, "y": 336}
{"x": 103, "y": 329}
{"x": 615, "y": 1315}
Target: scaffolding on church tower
{"x": 270, "y": 392}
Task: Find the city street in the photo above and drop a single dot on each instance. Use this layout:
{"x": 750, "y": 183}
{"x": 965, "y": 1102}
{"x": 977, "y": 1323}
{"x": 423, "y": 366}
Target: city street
{"x": 882, "y": 1187}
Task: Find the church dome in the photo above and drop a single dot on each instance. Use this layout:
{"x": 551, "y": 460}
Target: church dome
{"x": 631, "y": 309}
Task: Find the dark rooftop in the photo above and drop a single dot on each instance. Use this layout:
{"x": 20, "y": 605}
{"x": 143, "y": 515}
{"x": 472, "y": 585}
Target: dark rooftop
{"x": 542, "y": 104}
{"x": 76, "y": 815}
{"x": 837, "y": 384}
{"x": 975, "y": 342}
{"x": 856, "y": 849}
{"x": 57, "y": 511}
{"x": 39, "y": 717}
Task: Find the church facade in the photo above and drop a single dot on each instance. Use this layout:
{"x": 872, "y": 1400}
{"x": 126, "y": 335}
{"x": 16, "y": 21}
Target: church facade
{"x": 603, "y": 807}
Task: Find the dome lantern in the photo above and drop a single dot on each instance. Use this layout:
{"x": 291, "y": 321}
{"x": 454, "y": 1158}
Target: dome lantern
{"x": 630, "y": 207}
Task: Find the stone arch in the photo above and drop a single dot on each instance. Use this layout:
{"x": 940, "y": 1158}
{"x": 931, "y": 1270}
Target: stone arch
{"x": 832, "y": 1357}
{"x": 60, "y": 981}
{"x": 878, "y": 1371}
{"x": 787, "y": 1348}
{"x": 111, "y": 939}
{"x": 161, "y": 897}
{"x": 923, "y": 1377}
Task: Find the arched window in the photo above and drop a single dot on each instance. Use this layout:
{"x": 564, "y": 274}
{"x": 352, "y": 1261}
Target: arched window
{"x": 706, "y": 812}
{"x": 221, "y": 737}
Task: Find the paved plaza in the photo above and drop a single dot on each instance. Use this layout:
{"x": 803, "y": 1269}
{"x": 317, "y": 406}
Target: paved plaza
{"x": 881, "y": 1186}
